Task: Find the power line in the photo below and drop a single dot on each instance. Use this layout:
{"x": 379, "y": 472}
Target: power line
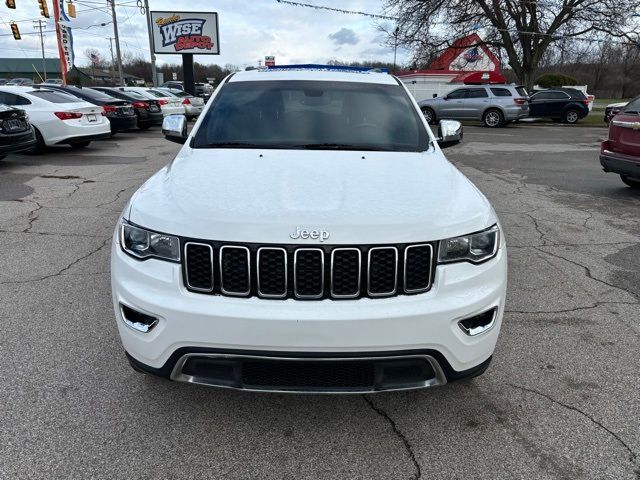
{"x": 339, "y": 10}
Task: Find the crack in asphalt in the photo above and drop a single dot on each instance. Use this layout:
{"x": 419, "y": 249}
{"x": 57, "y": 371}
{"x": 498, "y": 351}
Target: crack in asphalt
{"x": 588, "y": 244}
{"x": 632, "y": 455}
{"x": 407, "y": 445}
{"x": 32, "y": 217}
{"x": 120, "y": 192}
{"x": 587, "y": 272}
{"x": 570, "y": 310}
{"x": 542, "y": 236}
{"x": 55, "y": 234}
{"x": 61, "y": 271}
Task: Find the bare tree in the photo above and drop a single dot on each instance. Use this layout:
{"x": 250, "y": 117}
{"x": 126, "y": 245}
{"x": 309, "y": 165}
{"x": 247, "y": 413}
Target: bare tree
{"x": 525, "y": 29}
{"x": 95, "y": 58}
{"x": 629, "y": 65}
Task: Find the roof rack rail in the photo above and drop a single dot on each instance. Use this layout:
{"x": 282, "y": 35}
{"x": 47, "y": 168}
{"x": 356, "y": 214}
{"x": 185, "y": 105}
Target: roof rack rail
{"x": 330, "y": 68}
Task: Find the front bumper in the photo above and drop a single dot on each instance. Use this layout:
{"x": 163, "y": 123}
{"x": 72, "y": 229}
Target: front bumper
{"x": 621, "y": 164}
{"x": 426, "y": 323}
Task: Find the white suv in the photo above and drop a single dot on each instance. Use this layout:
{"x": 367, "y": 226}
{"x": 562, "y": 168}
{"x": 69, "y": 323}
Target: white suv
{"x": 309, "y": 236}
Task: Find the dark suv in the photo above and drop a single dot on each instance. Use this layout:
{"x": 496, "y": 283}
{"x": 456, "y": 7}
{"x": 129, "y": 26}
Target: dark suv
{"x": 566, "y": 105}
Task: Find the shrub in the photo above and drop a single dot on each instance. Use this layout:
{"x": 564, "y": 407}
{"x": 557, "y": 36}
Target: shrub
{"x": 550, "y": 80}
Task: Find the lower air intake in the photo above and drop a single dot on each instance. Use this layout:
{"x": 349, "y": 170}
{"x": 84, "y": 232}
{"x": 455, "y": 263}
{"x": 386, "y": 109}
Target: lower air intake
{"x": 322, "y": 375}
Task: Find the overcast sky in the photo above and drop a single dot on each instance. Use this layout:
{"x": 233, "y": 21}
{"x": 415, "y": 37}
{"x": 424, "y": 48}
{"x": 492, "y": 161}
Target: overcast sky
{"x": 249, "y": 30}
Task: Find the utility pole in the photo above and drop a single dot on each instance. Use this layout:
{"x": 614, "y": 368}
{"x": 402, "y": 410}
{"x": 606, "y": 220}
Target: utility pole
{"x": 112, "y": 59}
{"x": 115, "y": 34}
{"x": 395, "y": 47}
{"x": 154, "y": 74}
{"x": 38, "y": 24}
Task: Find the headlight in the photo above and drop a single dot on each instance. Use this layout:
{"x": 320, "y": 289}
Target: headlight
{"x": 142, "y": 243}
{"x": 476, "y": 247}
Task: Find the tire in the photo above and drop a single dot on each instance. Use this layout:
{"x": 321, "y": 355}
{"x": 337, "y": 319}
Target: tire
{"x": 493, "y": 118}
{"x": 571, "y": 116}
{"x": 2, "y": 157}
{"x": 144, "y": 127}
{"x": 632, "y": 182}
{"x": 79, "y": 145}
{"x": 40, "y": 147}
{"x": 429, "y": 115}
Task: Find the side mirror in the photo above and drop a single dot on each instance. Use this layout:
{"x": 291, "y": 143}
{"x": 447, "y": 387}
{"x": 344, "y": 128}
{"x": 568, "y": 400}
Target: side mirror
{"x": 174, "y": 128}
{"x": 449, "y": 133}
{"x": 435, "y": 95}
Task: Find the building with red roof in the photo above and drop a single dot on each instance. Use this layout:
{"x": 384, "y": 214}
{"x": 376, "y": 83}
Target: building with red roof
{"x": 468, "y": 61}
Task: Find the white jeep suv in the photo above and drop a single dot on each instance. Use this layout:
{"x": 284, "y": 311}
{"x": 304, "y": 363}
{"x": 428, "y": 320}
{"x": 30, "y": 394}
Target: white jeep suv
{"x": 310, "y": 236}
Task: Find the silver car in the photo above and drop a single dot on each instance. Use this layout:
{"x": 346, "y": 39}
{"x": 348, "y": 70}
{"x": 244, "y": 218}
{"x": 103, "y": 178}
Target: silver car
{"x": 494, "y": 105}
{"x": 193, "y": 106}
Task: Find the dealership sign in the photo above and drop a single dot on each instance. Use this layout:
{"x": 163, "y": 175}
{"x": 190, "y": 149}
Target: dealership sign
{"x": 185, "y": 32}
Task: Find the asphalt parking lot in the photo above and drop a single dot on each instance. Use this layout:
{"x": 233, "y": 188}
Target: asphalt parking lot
{"x": 560, "y": 401}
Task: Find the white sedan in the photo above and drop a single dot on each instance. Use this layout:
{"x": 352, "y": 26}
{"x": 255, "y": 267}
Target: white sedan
{"x": 193, "y": 106}
{"x": 58, "y": 118}
{"x": 170, "y": 105}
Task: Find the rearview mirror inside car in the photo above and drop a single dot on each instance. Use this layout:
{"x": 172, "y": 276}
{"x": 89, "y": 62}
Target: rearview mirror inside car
{"x": 174, "y": 128}
{"x": 449, "y": 133}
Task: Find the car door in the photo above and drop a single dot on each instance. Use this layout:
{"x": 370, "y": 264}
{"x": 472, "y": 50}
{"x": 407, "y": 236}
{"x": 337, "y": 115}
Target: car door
{"x": 475, "y": 103}
{"x": 539, "y": 104}
{"x": 556, "y": 103}
{"x": 452, "y": 105}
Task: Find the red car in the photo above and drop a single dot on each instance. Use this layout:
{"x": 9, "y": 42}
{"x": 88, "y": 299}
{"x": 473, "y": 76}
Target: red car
{"x": 620, "y": 153}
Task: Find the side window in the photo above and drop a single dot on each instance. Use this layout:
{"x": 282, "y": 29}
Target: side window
{"x": 460, "y": 93}
{"x": 558, "y": 96}
{"x": 501, "y": 92}
{"x": 632, "y": 107}
{"x": 13, "y": 99}
{"x": 477, "y": 93}
{"x": 540, "y": 96}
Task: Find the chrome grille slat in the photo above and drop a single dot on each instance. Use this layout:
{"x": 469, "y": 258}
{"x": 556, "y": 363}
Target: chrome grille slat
{"x": 224, "y": 264}
{"x": 408, "y": 267}
{"x": 284, "y": 273}
{"x": 356, "y": 294}
{"x": 190, "y": 246}
{"x": 372, "y": 277}
{"x": 304, "y": 266}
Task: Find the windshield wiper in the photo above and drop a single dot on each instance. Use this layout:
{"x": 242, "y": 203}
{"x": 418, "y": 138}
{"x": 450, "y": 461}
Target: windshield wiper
{"x": 338, "y": 146}
{"x": 229, "y": 145}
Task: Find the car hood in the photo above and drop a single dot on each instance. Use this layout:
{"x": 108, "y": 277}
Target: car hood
{"x": 265, "y": 195}
{"x": 433, "y": 101}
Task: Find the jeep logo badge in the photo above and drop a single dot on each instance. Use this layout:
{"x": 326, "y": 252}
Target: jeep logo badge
{"x": 321, "y": 235}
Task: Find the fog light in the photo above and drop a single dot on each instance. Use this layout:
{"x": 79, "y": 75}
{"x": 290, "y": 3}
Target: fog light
{"x": 137, "y": 320}
{"x": 480, "y": 323}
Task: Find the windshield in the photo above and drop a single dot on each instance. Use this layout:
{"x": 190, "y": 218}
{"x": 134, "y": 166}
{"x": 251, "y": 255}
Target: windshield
{"x": 312, "y": 115}
{"x": 155, "y": 93}
{"x": 55, "y": 97}
{"x": 178, "y": 93}
{"x": 91, "y": 93}
{"x": 632, "y": 107}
